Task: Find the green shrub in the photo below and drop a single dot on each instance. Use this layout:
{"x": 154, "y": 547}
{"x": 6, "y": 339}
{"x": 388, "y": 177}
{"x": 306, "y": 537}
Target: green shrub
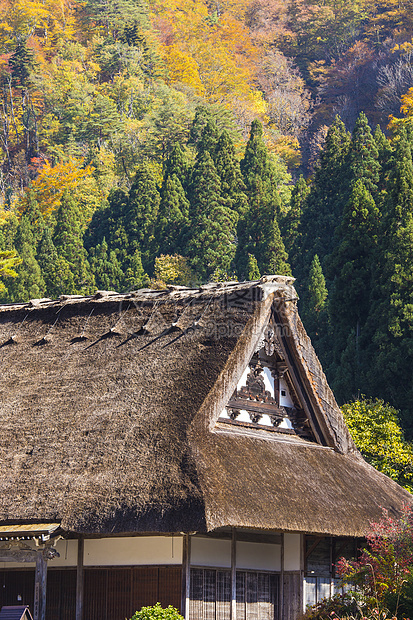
{"x": 401, "y": 603}
{"x": 156, "y": 612}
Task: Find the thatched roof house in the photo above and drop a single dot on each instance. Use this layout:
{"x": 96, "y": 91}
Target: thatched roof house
{"x": 180, "y": 411}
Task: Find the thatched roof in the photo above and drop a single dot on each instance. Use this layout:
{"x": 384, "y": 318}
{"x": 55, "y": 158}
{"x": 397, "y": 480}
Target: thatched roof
{"x": 109, "y": 409}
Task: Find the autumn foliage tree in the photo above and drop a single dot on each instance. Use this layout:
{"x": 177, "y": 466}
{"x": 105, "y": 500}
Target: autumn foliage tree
{"x": 381, "y": 579}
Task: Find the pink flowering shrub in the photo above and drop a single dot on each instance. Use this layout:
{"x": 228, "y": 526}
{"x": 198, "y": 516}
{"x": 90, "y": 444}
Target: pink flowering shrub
{"x": 380, "y": 582}
{"x": 385, "y": 565}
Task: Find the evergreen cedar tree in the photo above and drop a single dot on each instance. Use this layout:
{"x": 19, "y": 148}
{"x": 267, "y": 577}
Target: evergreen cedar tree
{"x": 199, "y": 209}
{"x": 259, "y": 232}
{"x": 355, "y": 231}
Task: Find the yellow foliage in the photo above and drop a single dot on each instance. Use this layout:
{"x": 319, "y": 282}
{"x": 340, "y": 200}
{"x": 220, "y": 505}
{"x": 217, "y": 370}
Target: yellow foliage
{"x": 376, "y": 431}
{"x": 183, "y": 69}
{"x": 46, "y": 21}
{"x": 406, "y": 109}
{"x": 8, "y": 260}
{"x": 52, "y": 181}
{"x": 172, "y": 270}
{"x": 407, "y": 103}
{"x": 211, "y": 52}
{"x": 288, "y": 148}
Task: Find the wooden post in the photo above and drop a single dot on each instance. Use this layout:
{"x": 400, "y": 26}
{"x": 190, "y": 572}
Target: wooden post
{"x": 302, "y": 572}
{"x": 79, "y": 577}
{"x": 186, "y": 575}
{"x": 40, "y": 583}
{"x": 281, "y": 616}
{"x": 331, "y": 567}
{"x": 233, "y": 611}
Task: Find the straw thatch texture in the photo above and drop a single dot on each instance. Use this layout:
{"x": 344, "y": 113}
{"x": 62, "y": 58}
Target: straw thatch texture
{"x": 107, "y": 406}
{"x": 249, "y": 482}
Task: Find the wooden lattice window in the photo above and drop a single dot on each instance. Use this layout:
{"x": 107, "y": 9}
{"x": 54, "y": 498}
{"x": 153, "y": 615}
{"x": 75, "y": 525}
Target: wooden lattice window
{"x": 210, "y": 595}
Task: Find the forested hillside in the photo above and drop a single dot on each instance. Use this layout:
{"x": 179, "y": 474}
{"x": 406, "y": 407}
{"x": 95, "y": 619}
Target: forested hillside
{"x": 181, "y": 141}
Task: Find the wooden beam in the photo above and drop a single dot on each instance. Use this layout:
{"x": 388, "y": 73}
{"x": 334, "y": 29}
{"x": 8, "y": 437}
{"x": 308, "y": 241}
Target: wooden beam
{"x": 186, "y": 576}
{"x": 281, "y": 593}
{"x": 40, "y": 583}
{"x": 302, "y": 571}
{"x": 233, "y": 609}
{"x": 313, "y": 546}
{"x": 80, "y": 577}
{"x": 18, "y": 555}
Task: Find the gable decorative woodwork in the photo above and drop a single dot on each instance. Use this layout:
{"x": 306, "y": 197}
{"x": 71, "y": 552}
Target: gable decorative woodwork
{"x": 266, "y": 408}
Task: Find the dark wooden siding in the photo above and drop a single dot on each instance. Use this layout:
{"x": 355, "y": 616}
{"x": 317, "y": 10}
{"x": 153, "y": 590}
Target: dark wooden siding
{"x": 109, "y": 593}
{"x": 323, "y": 553}
{"x": 292, "y": 601}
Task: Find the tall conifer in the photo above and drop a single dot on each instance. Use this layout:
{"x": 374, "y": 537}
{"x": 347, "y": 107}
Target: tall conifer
{"x": 317, "y": 286}
{"x": 209, "y": 138}
{"x": 352, "y": 265}
{"x": 68, "y": 241}
{"x": 140, "y": 216}
{"x": 34, "y": 216}
{"x": 391, "y": 316}
{"x": 324, "y": 205}
{"x": 177, "y": 164}
{"x": 290, "y": 224}
{"x": 106, "y": 268}
{"x": 135, "y": 276}
{"x": 362, "y": 159}
{"x": 253, "y": 273}
{"x": 229, "y": 172}
{"x": 29, "y": 283}
{"x": 172, "y": 219}
{"x": 258, "y": 230}
{"x": 56, "y": 271}
{"x": 211, "y": 234}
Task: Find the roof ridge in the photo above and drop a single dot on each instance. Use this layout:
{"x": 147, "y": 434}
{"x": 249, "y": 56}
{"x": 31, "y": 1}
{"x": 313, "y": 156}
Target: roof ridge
{"x": 268, "y": 284}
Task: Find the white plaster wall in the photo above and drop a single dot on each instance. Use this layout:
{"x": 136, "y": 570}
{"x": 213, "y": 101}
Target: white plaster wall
{"x": 217, "y": 553}
{"x": 285, "y": 399}
{"x": 68, "y": 554}
{"x": 292, "y": 551}
{"x": 128, "y": 551}
{"x": 211, "y": 552}
{"x": 153, "y": 550}
{"x": 133, "y": 551}
{"x": 258, "y": 556}
{"x": 21, "y": 565}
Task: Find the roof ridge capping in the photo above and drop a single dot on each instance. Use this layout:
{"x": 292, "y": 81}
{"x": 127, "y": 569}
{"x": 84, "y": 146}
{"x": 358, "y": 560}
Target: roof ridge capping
{"x": 273, "y": 283}
{"x": 267, "y": 283}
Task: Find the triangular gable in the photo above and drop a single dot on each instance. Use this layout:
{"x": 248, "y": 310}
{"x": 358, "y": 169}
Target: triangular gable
{"x": 265, "y": 397}
{"x": 303, "y": 400}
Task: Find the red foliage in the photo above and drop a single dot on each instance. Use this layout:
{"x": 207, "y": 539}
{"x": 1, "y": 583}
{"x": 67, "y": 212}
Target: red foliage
{"x": 387, "y": 559}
